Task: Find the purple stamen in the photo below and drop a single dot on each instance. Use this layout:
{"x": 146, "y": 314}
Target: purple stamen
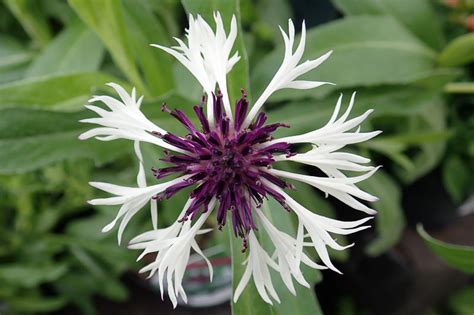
{"x": 226, "y": 163}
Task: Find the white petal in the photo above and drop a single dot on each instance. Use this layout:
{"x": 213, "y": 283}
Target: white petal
{"x": 289, "y": 70}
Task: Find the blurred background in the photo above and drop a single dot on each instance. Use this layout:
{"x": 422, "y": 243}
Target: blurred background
{"x": 410, "y": 60}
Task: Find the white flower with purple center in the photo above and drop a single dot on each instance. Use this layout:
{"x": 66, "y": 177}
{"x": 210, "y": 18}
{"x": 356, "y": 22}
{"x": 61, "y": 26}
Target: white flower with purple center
{"x": 230, "y": 158}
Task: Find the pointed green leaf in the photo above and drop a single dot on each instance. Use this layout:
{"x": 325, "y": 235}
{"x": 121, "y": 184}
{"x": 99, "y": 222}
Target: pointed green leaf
{"x": 69, "y": 90}
{"x": 32, "y": 17}
{"x": 106, "y": 18}
{"x": 362, "y": 46}
{"x": 457, "y": 256}
{"x": 75, "y": 49}
{"x": 418, "y": 16}
{"x": 458, "y": 52}
{"x": 30, "y": 139}
{"x": 145, "y": 29}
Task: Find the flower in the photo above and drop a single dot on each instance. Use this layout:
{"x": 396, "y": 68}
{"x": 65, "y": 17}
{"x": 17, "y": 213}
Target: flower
{"x": 229, "y": 159}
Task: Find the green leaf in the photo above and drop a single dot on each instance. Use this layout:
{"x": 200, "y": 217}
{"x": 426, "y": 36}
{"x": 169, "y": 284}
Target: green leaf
{"x": 70, "y": 90}
{"x": 307, "y": 115}
{"x": 30, "y": 276}
{"x": 366, "y": 49}
{"x": 238, "y": 78}
{"x": 418, "y": 16}
{"x": 462, "y": 302}
{"x": 14, "y": 58}
{"x": 30, "y": 139}
{"x": 35, "y": 305}
{"x": 458, "y": 52}
{"x": 389, "y": 220}
{"x": 78, "y": 290}
{"x": 75, "y": 49}
{"x": 460, "y": 87}
{"x": 106, "y": 18}
{"x": 12, "y": 52}
{"x": 31, "y": 16}
{"x": 455, "y": 178}
{"x": 33, "y": 138}
{"x": 145, "y": 29}
{"x": 433, "y": 135}
{"x": 457, "y": 256}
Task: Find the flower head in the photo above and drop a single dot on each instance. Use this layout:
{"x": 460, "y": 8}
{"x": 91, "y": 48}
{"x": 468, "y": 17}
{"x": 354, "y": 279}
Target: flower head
{"x": 230, "y": 159}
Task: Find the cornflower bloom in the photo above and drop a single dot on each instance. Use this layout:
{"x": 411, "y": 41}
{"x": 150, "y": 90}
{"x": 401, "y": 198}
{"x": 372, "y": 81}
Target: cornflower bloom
{"x": 230, "y": 159}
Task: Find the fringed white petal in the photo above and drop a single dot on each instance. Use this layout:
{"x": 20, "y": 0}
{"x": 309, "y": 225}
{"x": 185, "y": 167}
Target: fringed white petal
{"x": 258, "y": 263}
{"x": 131, "y": 199}
{"x": 342, "y": 188}
{"x": 337, "y": 131}
{"x": 207, "y": 56}
{"x": 289, "y": 71}
{"x": 123, "y": 121}
{"x": 289, "y": 254}
{"x": 328, "y": 160}
{"x": 173, "y": 246}
{"x": 319, "y": 227}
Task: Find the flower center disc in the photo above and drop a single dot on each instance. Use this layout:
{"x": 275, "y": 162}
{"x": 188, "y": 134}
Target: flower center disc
{"x": 227, "y": 161}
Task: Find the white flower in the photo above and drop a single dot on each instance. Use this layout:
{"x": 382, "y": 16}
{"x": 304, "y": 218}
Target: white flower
{"x": 229, "y": 161}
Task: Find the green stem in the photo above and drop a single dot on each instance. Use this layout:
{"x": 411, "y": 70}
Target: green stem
{"x": 459, "y": 88}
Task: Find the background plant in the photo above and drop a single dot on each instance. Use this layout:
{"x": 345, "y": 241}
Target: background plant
{"x": 410, "y": 60}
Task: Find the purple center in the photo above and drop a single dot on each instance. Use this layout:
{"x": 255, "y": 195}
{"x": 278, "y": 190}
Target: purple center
{"x": 226, "y": 162}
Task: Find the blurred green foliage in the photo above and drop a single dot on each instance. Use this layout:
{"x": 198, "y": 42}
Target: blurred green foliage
{"x": 409, "y": 60}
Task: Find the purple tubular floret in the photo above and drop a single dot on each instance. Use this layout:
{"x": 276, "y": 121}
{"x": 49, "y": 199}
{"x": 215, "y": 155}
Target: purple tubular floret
{"x": 225, "y": 163}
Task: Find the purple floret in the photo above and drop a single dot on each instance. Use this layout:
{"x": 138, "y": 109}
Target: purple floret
{"x": 226, "y": 162}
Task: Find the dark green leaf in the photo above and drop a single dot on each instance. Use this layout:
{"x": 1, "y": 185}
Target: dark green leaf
{"x": 14, "y": 59}
{"x": 12, "y": 53}
{"x": 455, "y": 178}
{"x": 389, "y": 220}
{"x": 33, "y": 19}
{"x": 462, "y": 302}
{"x": 35, "y": 305}
{"x": 457, "y": 256}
